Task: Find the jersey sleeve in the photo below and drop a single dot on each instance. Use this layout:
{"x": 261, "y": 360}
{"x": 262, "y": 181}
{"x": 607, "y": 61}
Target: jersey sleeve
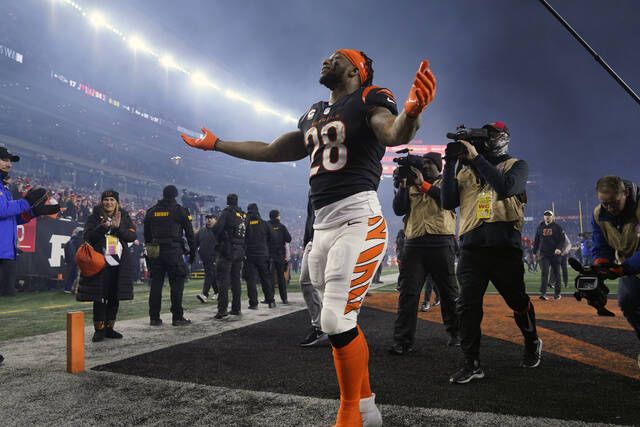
{"x": 374, "y": 96}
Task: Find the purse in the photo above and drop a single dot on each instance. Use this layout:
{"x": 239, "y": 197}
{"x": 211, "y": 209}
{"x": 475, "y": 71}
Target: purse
{"x": 90, "y": 261}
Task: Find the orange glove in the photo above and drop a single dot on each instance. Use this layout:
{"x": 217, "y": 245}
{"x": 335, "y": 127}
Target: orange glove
{"x": 207, "y": 142}
{"x": 422, "y": 92}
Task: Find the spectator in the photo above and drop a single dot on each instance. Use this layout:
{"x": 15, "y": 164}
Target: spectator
{"x": 108, "y": 230}
{"x": 71, "y": 268}
{"x": 206, "y": 245}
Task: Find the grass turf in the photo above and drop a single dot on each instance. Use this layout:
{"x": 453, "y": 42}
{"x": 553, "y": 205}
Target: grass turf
{"x": 35, "y": 313}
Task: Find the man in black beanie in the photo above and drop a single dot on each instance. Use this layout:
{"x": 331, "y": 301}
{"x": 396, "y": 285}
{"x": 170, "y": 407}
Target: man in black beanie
{"x": 164, "y": 225}
{"x": 257, "y": 263}
{"x": 278, "y": 253}
{"x": 230, "y": 233}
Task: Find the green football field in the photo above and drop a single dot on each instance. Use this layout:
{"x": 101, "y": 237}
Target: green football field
{"x": 35, "y": 313}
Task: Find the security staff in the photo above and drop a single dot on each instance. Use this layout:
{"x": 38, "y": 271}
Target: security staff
{"x": 489, "y": 188}
{"x": 279, "y": 238}
{"x": 230, "y": 232}
{"x": 257, "y": 262}
{"x": 616, "y": 242}
{"x": 164, "y": 225}
{"x": 428, "y": 250}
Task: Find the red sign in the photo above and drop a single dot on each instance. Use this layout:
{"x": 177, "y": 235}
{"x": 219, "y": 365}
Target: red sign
{"x": 27, "y": 236}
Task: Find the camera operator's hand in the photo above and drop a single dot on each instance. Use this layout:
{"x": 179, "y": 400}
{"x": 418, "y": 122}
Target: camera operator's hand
{"x": 609, "y": 271}
{"x": 36, "y": 196}
{"x": 207, "y": 142}
{"x": 471, "y": 152}
{"x": 422, "y": 91}
{"x": 419, "y": 179}
{"x": 41, "y": 210}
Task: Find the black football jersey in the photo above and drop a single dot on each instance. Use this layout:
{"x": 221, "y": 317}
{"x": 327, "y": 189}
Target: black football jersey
{"x": 344, "y": 152}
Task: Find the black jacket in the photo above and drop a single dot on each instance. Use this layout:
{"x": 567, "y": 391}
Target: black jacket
{"x": 512, "y": 183}
{"x": 230, "y": 232}
{"x": 548, "y": 239}
{"x": 92, "y": 288}
{"x": 206, "y": 243}
{"x": 279, "y": 237}
{"x": 172, "y": 221}
{"x": 258, "y": 236}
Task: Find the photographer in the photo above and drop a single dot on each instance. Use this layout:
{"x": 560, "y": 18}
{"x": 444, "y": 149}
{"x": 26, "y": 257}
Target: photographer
{"x": 489, "y": 187}
{"x": 428, "y": 249}
{"x": 616, "y": 243}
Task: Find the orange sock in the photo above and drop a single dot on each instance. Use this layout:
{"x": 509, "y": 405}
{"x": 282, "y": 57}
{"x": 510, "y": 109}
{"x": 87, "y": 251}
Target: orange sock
{"x": 365, "y": 388}
{"x": 348, "y": 361}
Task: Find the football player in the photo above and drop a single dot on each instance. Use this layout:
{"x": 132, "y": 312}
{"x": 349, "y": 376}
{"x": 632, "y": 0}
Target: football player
{"x": 345, "y": 138}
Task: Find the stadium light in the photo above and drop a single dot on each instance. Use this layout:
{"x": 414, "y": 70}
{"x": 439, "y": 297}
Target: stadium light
{"x": 167, "y": 61}
{"x": 138, "y": 43}
{"x": 97, "y": 19}
{"x": 199, "y": 79}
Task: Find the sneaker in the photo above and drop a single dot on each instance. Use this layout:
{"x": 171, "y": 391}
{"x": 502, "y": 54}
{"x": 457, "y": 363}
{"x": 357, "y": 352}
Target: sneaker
{"x": 557, "y": 297}
{"x": 400, "y": 349}
{"x": 370, "y": 413}
{"x": 272, "y": 305}
{"x": 425, "y": 307}
{"x": 543, "y": 298}
{"x": 202, "y": 298}
{"x": 436, "y": 303}
{"x": 2, "y": 359}
{"x": 532, "y": 354}
{"x": 221, "y": 316}
{"x": 235, "y": 313}
{"x": 285, "y": 302}
{"x": 181, "y": 322}
{"x": 471, "y": 371}
{"x": 602, "y": 311}
{"x": 67, "y": 292}
{"x": 315, "y": 336}
{"x": 110, "y": 333}
{"x": 215, "y": 296}
{"x": 253, "y": 307}
{"x": 155, "y": 322}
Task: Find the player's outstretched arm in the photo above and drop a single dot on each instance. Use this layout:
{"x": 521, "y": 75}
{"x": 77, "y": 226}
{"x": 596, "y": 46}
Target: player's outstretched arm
{"x": 391, "y": 130}
{"x": 286, "y": 148}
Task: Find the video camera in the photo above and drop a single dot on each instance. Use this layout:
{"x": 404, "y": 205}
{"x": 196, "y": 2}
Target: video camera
{"x": 404, "y": 165}
{"x": 476, "y": 136}
{"x": 590, "y": 286}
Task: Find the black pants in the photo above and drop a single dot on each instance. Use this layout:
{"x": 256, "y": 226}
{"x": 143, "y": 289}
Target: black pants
{"x": 278, "y": 268}
{"x": 209, "y": 277}
{"x": 429, "y": 287}
{"x": 171, "y": 264}
{"x": 417, "y": 263}
{"x": 8, "y": 277}
{"x": 564, "y": 266}
{"x": 257, "y": 268}
{"x": 228, "y": 276}
{"x": 106, "y": 309}
{"x": 505, "y": 269}
{"x": 546, "y": 263}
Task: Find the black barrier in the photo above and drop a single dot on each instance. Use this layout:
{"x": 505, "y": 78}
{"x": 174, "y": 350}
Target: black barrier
{"x": 42, "y": 244}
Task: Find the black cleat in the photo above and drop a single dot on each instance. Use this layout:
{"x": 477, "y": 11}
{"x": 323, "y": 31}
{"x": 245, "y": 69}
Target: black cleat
{"x": 181, "y": 322}
{"x": 155, "y": 322}
{"x": 471, "y": 371}
{"x": 221, "y": 316}
{"x": 532, "y": 354}
{"x": 315, "y": 336}
{"x": 400, "y": 349}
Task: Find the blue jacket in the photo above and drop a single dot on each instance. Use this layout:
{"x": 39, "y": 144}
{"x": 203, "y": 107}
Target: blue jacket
{"x": 10, "y": 218}
{"x": 602, "y": 249}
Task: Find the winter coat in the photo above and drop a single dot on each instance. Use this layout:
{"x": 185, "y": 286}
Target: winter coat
{"x": 92, "y": 288}
{"x": 10, "y": 218}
